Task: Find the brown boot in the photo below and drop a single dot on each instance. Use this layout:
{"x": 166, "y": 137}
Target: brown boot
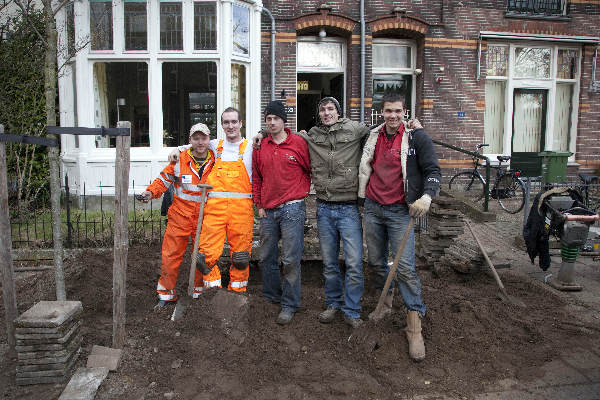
{"x": 416, "y": 346}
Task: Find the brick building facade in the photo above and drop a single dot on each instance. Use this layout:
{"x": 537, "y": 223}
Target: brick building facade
{"x": 491, "y": 71}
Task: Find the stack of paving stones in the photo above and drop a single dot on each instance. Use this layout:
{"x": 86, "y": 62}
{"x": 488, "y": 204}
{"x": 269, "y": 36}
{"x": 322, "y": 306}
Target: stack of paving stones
{"x": 48, "y": 342}
{"x": 464, "y": 257}
{"x": 444, "y": 224}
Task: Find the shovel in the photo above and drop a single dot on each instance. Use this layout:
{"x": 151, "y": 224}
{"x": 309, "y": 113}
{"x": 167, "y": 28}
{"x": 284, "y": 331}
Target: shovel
{"x": 503, "y": 295}
{"x": 367, "y": 336}
{"x": 184, "y": 301}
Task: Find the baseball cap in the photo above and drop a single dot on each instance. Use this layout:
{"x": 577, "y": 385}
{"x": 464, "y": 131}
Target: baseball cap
{"x": 199, "y": 127}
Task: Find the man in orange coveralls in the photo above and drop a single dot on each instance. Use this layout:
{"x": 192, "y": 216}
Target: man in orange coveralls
{"x": 192, "y": 168}
{"x": 228, "y": 212}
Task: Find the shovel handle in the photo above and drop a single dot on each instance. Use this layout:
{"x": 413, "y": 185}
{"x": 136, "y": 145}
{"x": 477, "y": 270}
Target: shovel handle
{"x": 203, "y": 188}
{"x": 392, "y": 273}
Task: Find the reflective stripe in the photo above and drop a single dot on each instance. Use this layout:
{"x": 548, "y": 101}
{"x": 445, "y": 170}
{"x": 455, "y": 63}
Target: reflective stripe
{"x": 230, "y": 195}
{"x": 209, "y": 284}
{"x": 166, "y": 182}
{"x": 239, "y": 284}
{"x": 177, "y": 169}
{"x": 168, "y": 176}
{"x": 161, "y": 287}
{"x": 178, "y": 192}
{"x": 198, "y": 290}
{"x": 166, "y": 297}
{"x": 190, "y": 187}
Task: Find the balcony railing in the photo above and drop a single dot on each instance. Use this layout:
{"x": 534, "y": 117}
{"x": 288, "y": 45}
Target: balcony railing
{"x": 540, "y": 8}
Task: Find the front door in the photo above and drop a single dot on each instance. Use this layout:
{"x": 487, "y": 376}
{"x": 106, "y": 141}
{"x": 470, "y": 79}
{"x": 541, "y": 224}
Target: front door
{"x": 529, "y": 120}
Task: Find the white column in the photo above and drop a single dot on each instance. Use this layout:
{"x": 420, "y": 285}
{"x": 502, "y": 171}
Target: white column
{"x": 155, "y": 105}
{"x": 224, "y": 67}
{"x": 254, "y": 84}
{"x": 118, "y": 26}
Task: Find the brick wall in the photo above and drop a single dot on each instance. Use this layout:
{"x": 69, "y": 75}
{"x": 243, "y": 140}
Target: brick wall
{"x": 446, "y": 33}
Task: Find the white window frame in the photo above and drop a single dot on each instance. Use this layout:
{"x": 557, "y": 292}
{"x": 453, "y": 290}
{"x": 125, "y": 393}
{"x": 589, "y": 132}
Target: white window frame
{"x": 400, "y": 71}
{"x": 549, "y": 84}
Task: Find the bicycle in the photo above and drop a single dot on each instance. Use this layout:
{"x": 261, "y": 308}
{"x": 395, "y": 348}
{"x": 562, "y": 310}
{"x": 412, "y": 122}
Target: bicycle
{"x": 508, "y": 188}
{"x": 590, "y": 191}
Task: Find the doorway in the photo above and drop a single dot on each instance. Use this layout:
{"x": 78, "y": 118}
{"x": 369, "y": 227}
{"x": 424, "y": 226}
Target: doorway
{"x": 529, "y": 120}
{"x": 312, "y": 87}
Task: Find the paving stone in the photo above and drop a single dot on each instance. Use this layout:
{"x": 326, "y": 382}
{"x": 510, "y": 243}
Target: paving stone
{"x": 72, "y": 332}
{"x": 46, "y": 347}
{"x": 48, "y": 367}
{"x": 50, "y": 373}
{"x": 578, "y": 392}
{"x": 62, "y": 328}
{"x": 84, "y": 384}
{"x": 509, "y": 395}
{"x": 65, "y": 351}
{"x": 41, "y": 380}
{"x": 104, "y": 357}
{"x": 558, "y": 373}
{"x": 48, "y": 314}
{"x": 48, "y": 337}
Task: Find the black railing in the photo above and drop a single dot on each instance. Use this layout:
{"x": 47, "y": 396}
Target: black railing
{"x": 537, "y": 7}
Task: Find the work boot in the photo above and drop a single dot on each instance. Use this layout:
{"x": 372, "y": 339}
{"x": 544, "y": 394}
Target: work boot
{"x": 284, "y": 317}
{"x": 353, "y": 322}
{"x": 328, "y": 315}
{"x": 416, "y": 346}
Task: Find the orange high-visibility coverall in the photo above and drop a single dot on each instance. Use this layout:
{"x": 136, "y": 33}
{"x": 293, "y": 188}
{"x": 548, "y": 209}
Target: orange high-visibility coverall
{"x": 228, "y": 213}
{"x": 182, "y": 218}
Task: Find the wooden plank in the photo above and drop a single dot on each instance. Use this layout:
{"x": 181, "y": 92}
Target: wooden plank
{"x": 121, "y": 246}
{"x": 102, "y": 131}
{"x": 6, "y": 267}
{"x": 25, "y": 139}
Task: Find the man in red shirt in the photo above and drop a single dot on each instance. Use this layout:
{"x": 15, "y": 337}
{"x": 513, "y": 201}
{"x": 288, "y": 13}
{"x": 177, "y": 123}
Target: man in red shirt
{"x": 399, "y": 174}
{"x": 280, "y": 183}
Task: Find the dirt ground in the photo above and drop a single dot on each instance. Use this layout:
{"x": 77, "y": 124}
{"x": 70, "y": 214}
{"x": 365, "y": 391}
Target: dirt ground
{"x": 473, "y": 340}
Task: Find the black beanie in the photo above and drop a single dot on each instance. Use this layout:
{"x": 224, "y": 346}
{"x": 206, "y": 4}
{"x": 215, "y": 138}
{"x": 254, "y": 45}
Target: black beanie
{"x": 277, "y": 108}
{"x": 330, "y": 100}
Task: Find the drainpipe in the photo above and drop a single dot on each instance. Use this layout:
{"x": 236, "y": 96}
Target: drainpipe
{"x": 266, "y": 11}
{"x": 362, "y": 60}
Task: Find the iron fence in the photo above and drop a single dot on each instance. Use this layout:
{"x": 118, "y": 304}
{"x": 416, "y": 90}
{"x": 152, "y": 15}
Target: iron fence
{"x": 84, "y": 227}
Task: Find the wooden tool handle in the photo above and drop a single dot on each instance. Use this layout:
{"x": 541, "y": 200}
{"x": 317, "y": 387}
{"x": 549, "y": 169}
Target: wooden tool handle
{"x": 203, "y": 188}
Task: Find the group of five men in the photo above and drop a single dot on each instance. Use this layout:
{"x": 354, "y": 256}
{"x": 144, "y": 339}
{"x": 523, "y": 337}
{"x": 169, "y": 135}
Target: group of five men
{"x": 391, "y": 172}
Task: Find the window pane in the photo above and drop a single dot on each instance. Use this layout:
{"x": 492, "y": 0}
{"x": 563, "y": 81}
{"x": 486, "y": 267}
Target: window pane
{"x": 189, "y": 96}
{"x": 205, "y": 26}
{"x": 101, "y": 25}
{"x": 171, "y": 26}
{"x": 241, "y": 29}
{"x": 497, "y": 61}
{"x": 562, "y": 116}
{"x": 121, "y": 93}
{"x": 238, "y": 90}
{"x": 135, "y": 25}
{"x": 493, "y": 122}
{"x": 532, "y": 62}
{"x": 567, "y": 64}
{"x": 322, "y": 55}
{"x": 391, "y": 56}
{"x": 529, "y": 120}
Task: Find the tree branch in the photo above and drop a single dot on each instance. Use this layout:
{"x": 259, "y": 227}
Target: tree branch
{"x": 26, "y": 15}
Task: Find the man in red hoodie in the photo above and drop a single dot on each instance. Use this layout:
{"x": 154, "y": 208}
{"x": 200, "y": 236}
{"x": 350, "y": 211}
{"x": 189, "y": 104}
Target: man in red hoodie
{"x": 280, "y": 183}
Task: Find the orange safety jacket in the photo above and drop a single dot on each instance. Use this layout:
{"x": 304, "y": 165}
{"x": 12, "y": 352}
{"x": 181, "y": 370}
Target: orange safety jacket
{"x": 184, "y": 176}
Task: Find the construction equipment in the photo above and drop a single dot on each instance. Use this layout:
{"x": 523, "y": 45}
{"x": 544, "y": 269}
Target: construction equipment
{"x": 184, "y": 301}
{"x": 367, "y": 336}
{"x": 503, "y": 295}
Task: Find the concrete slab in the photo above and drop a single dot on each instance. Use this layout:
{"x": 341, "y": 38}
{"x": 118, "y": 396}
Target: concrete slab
{"x": 230, "y": 307}
{"x": 579, "y": 392}
{"x": 104, "y": 357}
{"x": 582, "y": 359}
{"x": 57, "y": 372}
{"x": 45, "y": 347}
{"x": 41, "y": 380}
{"x": 65, "y": 351}
{"x": 60, "y": 341}
{"x": 48, "y": 314}
{"x": 509, "y": 395}
{"x": 36, "y": 338}
{"x": 63, "y": 366}
{"x": 84, "y": 384}
{"x": 558, "y": 373}
{"x": 32, "y": 333}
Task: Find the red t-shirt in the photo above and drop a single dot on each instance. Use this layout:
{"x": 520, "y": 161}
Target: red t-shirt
{"x": 386, "y": 184}
{"x": 280, "y": 172}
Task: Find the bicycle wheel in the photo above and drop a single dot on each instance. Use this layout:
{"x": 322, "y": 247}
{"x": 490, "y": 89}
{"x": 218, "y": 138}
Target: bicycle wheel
{"x": 593, "y": 202}
{"x": 510, "y": 192}
{"x": 467, "y": 185}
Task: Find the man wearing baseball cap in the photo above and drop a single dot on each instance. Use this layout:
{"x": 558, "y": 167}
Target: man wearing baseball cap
{"x": 280, "y": 183}
{"x": 192, "y": 168}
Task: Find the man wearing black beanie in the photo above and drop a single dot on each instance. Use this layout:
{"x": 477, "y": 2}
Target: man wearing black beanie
{"x": 280, "y": 183}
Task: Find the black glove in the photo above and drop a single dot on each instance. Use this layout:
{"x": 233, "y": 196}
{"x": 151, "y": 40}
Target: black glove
{"x": 360, "y": 201}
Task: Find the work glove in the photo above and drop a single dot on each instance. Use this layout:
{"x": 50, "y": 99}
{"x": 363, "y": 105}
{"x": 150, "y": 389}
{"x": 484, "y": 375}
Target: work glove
{"x": 360, "y": 201}
{"x": 420, "y": 207}
{"x": 173, "y": 156}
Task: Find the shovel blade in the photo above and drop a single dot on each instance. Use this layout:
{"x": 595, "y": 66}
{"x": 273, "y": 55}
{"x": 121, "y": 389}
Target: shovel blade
{"x": 180, "y": 308}
{"x": 365, "y": 338}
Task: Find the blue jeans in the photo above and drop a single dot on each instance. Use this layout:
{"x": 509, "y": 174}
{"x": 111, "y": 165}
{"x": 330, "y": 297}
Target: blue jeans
{"x": 384, "y": 226}
{"x": 335, "y": 221}
{"x": 285, "y": 223}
